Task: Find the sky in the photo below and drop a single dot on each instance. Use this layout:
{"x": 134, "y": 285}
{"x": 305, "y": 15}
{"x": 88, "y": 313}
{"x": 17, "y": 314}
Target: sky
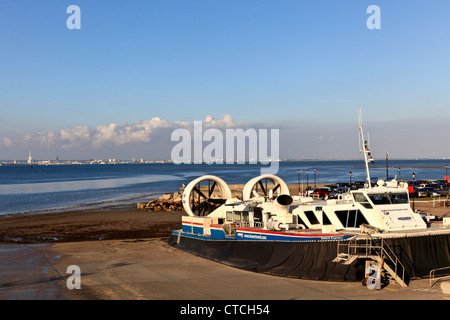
{"x": 138, "y": 70}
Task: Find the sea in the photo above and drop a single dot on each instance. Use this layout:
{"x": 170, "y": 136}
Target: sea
{"x": 56, "y": 188}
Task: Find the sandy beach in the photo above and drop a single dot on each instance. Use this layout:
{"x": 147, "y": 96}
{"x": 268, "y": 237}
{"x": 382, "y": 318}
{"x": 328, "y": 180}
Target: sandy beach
{"x": 123, "y": 255}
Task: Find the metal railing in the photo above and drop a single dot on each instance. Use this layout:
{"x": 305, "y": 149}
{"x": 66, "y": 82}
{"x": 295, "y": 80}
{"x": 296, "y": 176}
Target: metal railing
{"x": 433, "y": 272}
{"x": 375, "y": 247}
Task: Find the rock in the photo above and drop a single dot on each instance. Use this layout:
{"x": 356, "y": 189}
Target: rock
{"x": 167, "y": 202}
{"x": 141, "y": 205}
{"x": 165, "y": 197}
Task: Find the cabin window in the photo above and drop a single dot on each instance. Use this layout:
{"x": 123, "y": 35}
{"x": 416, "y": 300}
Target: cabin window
{"x": 360, "y": 219}
{"x": 300, "y": 221}
{"x": 237, "y": 216}
{"x": 257, "y": 214}
{"x": 351, "y": 218}
{"x": 244, "y": 216}
{"x": 361, "y": 198}
{"x": 388, "y": 198}
{"x": 379, "y": 198}
{"x": 326, "y": 220}
{"x": 311, "y": 217}
{"x": 399, "y": 197}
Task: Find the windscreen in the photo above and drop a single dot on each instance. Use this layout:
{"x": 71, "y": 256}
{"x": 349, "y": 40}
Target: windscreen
{"x": 388, "y": 198}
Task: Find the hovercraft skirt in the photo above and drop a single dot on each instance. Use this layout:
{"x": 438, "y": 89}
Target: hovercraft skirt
{"x": 314, "y": 260}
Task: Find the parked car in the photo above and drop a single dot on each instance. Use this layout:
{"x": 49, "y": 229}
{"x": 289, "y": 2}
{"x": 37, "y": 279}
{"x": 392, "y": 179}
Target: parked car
{"x": 334, "y": 194}
{"x": 321, "y": 192}
{"x": 444, "y": 191}
{"x": 434, "y": 193}
{"x": 428, "y": 192}
{"x": 423, "y": 192}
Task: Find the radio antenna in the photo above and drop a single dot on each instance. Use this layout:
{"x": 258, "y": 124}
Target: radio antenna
{"x": 365, "y": 148}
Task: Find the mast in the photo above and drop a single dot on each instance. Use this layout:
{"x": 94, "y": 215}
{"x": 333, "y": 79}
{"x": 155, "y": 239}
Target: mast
{"x": 365, "y": 149}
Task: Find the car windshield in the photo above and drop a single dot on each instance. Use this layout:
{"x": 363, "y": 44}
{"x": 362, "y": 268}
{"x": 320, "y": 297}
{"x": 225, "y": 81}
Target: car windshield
{"x": 388, "y": 198}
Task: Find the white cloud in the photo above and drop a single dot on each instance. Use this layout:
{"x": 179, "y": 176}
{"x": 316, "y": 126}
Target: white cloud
{"x": 6, "y": 142}
{"x": 75, "y": 137}
{"x": 83, "y": 137}
{"x": 226, "y": 122}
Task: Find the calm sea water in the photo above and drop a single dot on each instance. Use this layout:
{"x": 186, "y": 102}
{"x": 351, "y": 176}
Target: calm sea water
{"x": 65, "y": 187}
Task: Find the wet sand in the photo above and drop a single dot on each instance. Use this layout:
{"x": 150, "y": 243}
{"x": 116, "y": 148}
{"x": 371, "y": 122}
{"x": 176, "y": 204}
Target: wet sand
{"x": 124, "y": 255}
{"x": 126, "y": 223}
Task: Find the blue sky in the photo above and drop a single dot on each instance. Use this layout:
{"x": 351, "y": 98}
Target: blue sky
{"x": 302, "y": 66}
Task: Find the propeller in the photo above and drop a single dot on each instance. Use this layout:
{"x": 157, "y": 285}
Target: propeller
{"x": 198, "y": 197}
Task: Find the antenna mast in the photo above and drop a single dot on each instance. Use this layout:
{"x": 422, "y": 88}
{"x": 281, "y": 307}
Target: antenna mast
{"x": 365, "y": 148}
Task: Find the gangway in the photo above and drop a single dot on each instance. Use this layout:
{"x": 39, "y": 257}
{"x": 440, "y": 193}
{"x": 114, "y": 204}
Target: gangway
{"x": 375, "y": 249}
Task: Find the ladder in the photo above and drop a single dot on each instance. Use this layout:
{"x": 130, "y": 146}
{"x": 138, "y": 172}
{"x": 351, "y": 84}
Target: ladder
{"x": 375, "y": 249}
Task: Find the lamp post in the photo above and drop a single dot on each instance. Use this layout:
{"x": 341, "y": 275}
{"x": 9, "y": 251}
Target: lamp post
{"x": 414, "y": 188}
{"x": 350, "y": 174}
{"x": 446, "y": 174}
{"x": 314, "y": 177}
{"x": 387, "y": 167}
{"x": 307, "y": 179}
{"x": 298, "y": 171}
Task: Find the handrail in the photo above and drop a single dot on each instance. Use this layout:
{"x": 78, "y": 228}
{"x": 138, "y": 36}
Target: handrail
{"x": 354, "y": 247}
{"x": 432, "y": 273}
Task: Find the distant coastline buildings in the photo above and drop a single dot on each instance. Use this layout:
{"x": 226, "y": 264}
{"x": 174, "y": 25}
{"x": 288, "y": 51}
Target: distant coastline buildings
{"x": 31, "y": 161}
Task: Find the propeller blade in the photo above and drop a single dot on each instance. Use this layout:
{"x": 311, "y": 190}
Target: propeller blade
{"x": 276, "y": 187}
{"x": 212, "y": 189}
{"x": 219, "y": 201}
{"x": 263, "y": 189}
{"x": 199, "y": 207}
{"x": 199, "y": 192}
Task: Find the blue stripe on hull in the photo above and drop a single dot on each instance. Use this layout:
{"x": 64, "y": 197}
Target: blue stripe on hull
{"x": 240, "y": 235}
{"x": 254, "y": 236}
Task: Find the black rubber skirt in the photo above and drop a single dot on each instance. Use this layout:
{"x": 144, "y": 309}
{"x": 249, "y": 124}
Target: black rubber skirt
{"x": 314, "y": 260}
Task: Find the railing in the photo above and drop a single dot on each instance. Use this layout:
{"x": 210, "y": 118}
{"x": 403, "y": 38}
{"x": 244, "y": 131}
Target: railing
{"x": 368, "y": 248}
{"x": 398, "y": 266}
{"x": 433, "y": 272}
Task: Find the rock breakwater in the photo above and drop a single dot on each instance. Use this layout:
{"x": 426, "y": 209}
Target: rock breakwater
{"x": 167, "y": 202}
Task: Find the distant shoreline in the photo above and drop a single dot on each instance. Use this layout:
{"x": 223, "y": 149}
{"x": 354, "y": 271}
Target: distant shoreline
{"x": 142, "y": 161}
